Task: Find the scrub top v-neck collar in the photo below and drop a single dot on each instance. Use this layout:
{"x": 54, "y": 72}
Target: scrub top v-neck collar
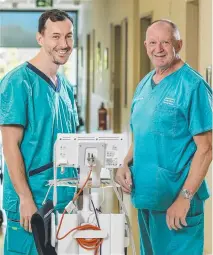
{"x": 56, "y": 87}
{"x": 163, "y": 81}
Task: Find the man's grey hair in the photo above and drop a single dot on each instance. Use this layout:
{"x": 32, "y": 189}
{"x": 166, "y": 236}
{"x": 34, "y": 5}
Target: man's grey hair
{"x": 174, "y": 27}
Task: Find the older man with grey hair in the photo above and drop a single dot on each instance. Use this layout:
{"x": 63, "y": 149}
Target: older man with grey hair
{"x": 171, "y": 121}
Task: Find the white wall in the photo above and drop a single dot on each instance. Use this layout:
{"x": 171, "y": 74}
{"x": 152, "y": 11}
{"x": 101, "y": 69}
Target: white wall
{"x": 94, "y": 16}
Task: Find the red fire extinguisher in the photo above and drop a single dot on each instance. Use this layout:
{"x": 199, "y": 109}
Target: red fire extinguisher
{"x": 102, "y": 118}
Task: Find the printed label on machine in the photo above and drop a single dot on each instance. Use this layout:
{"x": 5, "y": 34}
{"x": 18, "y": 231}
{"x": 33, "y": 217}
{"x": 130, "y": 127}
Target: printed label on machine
{"x": 112, "y": 156}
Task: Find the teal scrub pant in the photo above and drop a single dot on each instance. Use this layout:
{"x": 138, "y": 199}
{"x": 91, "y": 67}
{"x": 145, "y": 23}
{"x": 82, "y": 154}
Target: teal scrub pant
{"x": 18, "y": 241}
{"x": 157, "y": 239}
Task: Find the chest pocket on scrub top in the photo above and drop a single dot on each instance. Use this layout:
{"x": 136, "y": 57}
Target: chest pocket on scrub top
{"x": 164, "y": 120}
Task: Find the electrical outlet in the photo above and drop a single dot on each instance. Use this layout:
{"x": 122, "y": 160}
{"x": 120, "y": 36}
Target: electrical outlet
{"x": 89, "y": 154}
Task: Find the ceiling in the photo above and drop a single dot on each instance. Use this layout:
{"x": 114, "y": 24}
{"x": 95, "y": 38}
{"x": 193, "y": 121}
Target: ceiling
{"x": 31, "y": 3}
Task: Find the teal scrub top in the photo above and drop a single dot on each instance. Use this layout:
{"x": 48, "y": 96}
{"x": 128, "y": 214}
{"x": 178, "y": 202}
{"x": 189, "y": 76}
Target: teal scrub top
{"x": 164, "y": 119}
{"x": 30, "y": 99}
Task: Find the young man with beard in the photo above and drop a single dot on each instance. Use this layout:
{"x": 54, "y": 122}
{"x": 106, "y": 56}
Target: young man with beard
{"x": 36, "y": 103}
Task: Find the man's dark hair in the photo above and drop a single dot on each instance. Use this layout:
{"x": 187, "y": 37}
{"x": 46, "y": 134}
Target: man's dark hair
{"x": 54, "y": 15}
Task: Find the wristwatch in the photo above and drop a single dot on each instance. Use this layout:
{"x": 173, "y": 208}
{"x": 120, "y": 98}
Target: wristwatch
{"x": 186, "y": 194}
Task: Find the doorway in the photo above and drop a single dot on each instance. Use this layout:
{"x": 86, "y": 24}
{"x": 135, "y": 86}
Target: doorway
{"x": 145, "y": 64}
{"x": 116, "y": 80}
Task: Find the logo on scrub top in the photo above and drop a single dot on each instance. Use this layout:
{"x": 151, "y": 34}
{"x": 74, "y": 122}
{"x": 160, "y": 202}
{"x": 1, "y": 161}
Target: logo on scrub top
{"x": 169, "y": 100}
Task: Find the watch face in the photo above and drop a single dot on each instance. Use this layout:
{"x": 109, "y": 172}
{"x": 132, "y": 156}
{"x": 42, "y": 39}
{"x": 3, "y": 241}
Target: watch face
{"x": 187, "y": 194}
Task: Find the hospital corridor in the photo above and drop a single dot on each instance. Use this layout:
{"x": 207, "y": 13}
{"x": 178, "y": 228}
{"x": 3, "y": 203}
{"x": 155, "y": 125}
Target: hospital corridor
{"x": 105, "y": 127}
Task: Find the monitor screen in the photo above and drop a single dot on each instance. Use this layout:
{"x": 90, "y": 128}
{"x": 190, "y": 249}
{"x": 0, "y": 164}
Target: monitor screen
{"x": 18, "y": 28}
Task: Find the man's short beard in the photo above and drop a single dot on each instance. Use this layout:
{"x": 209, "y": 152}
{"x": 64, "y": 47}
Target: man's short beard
{"x": 57, "y": 62}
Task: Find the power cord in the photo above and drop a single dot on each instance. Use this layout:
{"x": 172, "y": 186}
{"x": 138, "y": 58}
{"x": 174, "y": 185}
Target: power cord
{"x": 87, "y": 244}
{"x": 125, "y": 212}
{"x": 96, "y": 216}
